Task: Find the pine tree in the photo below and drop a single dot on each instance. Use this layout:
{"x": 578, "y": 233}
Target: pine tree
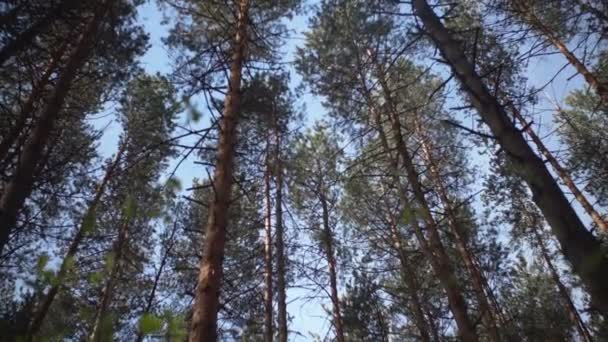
{"x": 315, "y": 192}
{"x": 245, "y": 46}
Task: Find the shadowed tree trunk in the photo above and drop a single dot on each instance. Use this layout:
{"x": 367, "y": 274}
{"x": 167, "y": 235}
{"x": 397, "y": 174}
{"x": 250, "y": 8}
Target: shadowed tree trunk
{"x": 434, "y": 251}
{"x": 444, "y": 269}
{"x": 280, "y": 244}
{"x": 333, "y": 275}
{"x": 206, "y": 303}
{"x": 409, "y": 277}
{"x": 580, "y": 247}
{"x": 268, "y": 323}
{"x": 26, "y": 110}
{"x": 20, "y": 187}
{"x": 488, "y": 312}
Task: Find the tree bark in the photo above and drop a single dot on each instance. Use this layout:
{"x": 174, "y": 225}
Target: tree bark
{"x": 43, "y": 308}
{"x": 107, "y": 292}
{"x": 206, "y": 303}
{"x": 408, "y": 275}
{"x": 601, "y": 88}
{"x": 527, "y": 13}
{"x": 435, "y": 251}
{"x": 268, "y": 319}
{"x": 488, "y": 312}
{"x": 562, "y": 173}
{"x": 574, "y": 315}
{"x": 20, "y": 186}
{"x": 429, "y": 314}
{"x": 333, "y": 275}
{"x": 580, "y": 247}
{"x": 444, "y": 269}
{"x": 424, "y": 246}
{"x": 280, "y": 244}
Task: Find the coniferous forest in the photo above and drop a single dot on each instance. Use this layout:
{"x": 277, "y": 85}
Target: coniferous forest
{"x": 290, "y": 170}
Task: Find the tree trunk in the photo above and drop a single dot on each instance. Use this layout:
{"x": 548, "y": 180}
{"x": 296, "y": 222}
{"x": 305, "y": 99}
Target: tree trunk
{"x": 333, "y": 275}
{"x": 600, "y": 87}
{"x": 88, "y": 220}
{"x": 206, "y": 303}
{"x": 26, "y": 111}
{"x": 562, "y": 173}
{"x": 20, "y": 186}
{"x": 574, "y": 315}
{"x": 527, "y": 12}
{"x": 435, "y": 251}
{"x": 432, "y": 324}
{"x": 268, "y": 326}
{"x": 159, "y": 272}
{"x": 107, "y": 292}
{"x": 24, "y": 38}
{"x": 580, "y": 247}
{"x": 444, "y": 269}
{"x": 409, "y": 277}
{"x": 488, "y": 312}
{"x": 280, "y": 244}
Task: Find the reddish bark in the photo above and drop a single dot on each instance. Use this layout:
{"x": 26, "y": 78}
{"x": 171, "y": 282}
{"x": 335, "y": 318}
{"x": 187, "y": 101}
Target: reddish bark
{"x": 206, "y": 302}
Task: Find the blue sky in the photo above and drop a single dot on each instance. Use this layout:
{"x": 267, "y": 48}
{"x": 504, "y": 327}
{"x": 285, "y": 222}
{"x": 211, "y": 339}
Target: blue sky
{"x": 309, "y": 316}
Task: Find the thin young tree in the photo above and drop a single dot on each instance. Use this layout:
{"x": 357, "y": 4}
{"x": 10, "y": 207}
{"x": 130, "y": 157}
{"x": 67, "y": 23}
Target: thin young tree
{"x": 315, "y": 192}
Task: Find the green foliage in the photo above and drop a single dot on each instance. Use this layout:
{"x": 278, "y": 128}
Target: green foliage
{"x": 338, "y": 162}
{"x": 96, "y": 278}
{"x": 109, "y": 260}
{"x": 582, "y": 128}
{"x": 194, "y": 115}
{"x": 88, "y": 222}
{"x": 213, "y": 25}
{"x": 43, "y": 260}
{"x": 150, "y": 324}
{"x": 106, "y": 328}
{"x": 172, "y": 186}
{"x": 130, "y": 208}
{"x": 365, "y": 316}
{"x": 533, "y": 301}
{"x": 176, "y": 326}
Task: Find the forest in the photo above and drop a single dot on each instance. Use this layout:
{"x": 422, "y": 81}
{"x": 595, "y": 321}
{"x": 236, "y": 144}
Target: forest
{"x": 291, "y": 170}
